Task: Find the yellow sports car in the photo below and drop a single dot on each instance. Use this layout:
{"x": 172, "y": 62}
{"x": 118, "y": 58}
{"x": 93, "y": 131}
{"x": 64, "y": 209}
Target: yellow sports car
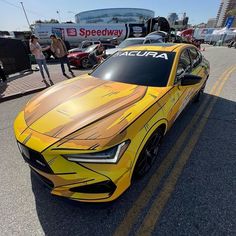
{"x": 89, "y": 137}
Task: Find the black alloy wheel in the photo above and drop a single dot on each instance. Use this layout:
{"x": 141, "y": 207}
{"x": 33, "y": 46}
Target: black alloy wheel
{"x": 85, "y": 63}
{"x": 148, "y": 155}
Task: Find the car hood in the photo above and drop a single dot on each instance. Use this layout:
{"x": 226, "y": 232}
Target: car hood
{"x": 87, "y": 105}
{"x": 75, "y": 50}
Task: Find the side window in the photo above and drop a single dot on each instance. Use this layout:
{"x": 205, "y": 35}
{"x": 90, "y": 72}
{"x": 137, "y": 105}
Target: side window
{"x": 184, "y": 65}
{"x": 147, "y": 41}
{"x": 86, "y": 44}
{"x": 195, "y": 57}
{"x": 156, "y": 40}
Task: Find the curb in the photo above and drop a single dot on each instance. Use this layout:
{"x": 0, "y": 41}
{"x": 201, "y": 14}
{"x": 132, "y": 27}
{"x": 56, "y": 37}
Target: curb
{"x": 21, "y": 94}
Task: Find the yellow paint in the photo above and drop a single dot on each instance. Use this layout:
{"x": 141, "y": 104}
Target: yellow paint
{"x": 89, "y": 115}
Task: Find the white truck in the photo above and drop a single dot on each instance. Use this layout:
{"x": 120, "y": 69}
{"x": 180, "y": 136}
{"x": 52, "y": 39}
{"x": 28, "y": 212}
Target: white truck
{"x": 77, "y": 33}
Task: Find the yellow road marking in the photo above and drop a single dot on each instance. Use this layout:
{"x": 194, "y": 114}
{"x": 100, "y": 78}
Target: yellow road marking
{"x": 158, "y": 205}
{"x": 130, "y": 218}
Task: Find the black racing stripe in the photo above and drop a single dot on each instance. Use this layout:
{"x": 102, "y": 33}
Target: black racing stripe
{"x": 89, "y": 199}
{"x": 67, "y": 149}
{"x": 74, "y": 183}
{"x": 94, "y": 170}
{"x": 68, "y": 173}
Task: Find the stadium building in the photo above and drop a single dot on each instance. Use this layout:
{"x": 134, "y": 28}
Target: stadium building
{"x": 114, "y": 15}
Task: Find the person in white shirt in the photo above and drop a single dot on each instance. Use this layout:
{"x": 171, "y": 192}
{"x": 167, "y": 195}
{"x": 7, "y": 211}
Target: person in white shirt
{"x": 37, "y": 51}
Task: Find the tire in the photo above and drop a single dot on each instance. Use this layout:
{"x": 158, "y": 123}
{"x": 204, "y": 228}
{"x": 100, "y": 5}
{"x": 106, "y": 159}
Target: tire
{"x": 148, "y": 154}
{"x": 198, "y": 96}
{"x": 85, "y": 63}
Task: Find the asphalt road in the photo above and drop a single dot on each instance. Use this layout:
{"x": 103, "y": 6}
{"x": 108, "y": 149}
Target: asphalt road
{"x": 189, "y": 191}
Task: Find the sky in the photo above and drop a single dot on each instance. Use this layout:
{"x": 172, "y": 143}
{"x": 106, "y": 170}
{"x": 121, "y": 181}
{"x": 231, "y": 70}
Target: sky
{"x": 12, "y": 17}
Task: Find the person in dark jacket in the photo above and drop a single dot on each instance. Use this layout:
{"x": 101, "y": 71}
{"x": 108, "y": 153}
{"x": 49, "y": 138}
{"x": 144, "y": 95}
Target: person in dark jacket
{"x": 58, "y": 47}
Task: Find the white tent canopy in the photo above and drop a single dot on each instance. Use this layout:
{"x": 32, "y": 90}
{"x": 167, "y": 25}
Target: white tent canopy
{"x": 222, "y": 31}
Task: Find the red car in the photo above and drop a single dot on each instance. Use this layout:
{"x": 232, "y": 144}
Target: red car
{"x": 80, "y": 59}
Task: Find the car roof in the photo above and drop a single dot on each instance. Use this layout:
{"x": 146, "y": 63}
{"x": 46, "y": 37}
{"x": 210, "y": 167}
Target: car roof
{"x": 166, "y": 47}
{"x": 134, "y": 38}
{"x": 155, "y": 36}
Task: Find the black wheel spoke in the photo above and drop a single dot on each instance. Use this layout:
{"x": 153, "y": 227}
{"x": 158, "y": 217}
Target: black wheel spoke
{"x": 148, "y": 155}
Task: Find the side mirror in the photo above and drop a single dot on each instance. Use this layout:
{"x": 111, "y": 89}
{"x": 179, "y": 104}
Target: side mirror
{"x": 190, "y": 80}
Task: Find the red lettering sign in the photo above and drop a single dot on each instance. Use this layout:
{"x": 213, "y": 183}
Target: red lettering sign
{"x": 71, "y": 32}
{"x": 105, "y": 32}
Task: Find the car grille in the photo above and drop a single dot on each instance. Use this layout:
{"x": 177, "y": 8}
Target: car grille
{"x": 34, "y": 159}
{"x": 101, "y": 187}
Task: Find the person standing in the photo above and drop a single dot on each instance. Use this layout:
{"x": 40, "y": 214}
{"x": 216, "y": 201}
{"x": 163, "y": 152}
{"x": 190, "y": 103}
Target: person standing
{"x": 96, "y": 56}
{"x": 58, "y": 47}
{"x": 37, "y": 51}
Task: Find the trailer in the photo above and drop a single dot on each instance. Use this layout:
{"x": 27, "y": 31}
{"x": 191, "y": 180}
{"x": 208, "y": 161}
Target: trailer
{"x": 76, "y": 33}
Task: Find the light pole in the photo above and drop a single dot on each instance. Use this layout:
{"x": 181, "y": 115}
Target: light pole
{"x": 26, "y": 15}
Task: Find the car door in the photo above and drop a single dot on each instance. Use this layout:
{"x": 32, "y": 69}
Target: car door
{"x": 197, "y": 67}
{"x": 181, "y": 95}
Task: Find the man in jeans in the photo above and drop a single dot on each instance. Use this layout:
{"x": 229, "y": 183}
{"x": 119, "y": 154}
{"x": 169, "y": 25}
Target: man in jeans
{"x": 59, "y": 49}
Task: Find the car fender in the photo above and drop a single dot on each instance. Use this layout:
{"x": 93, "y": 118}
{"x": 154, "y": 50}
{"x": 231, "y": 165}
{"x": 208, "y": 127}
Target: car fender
{"x": 150, "y": 131}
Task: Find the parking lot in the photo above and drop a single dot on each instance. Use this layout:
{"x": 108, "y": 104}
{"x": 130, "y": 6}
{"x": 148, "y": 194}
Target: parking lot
{"x": 189, "y": 191}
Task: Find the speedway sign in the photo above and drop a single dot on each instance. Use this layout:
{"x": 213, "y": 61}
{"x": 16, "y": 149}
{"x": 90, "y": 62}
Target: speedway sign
{"x": 101, "y": 32}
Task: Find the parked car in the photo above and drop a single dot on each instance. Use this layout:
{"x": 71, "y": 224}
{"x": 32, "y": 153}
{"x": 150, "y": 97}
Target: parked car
{"x": 90, "y": 137}
{"x": 80, "y": 59}
{"x": 135, "y": 41}
{"x": 84, "y": 45}
{"x": 232, "y": 44}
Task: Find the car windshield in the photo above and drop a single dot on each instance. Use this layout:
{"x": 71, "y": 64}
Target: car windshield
{"x": 127, "y": 43}
{"x": 148, "y": 68}
{"x": 91, "y": 48}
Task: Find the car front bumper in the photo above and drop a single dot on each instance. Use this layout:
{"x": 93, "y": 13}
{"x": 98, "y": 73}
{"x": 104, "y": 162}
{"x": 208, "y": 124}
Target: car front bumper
{"x": 90, "y": 182}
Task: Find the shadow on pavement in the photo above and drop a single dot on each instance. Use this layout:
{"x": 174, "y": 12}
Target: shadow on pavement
{"x": 64, "y": 217}
{"x": 3, "y": 86}
{"x": 19, "y": 75}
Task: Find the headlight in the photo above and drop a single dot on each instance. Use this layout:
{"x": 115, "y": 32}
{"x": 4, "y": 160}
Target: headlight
{"x": 111, "y": 155}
